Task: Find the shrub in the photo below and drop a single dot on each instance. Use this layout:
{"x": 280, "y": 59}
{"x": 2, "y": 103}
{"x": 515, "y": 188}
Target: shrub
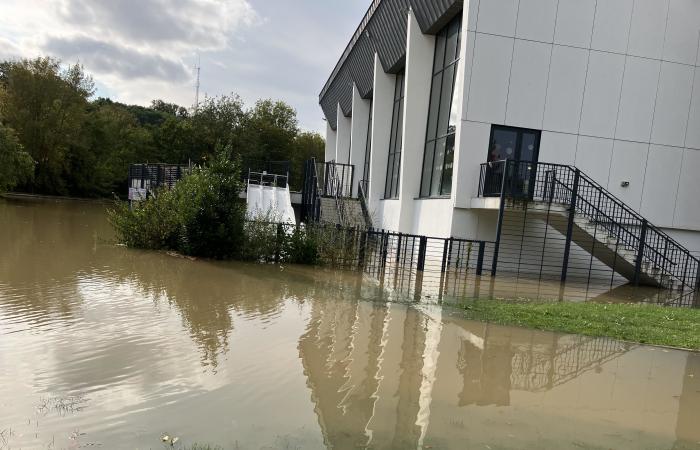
{"x": 201, "y": 215}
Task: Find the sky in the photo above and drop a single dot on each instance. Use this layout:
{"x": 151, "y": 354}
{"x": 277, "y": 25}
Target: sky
{"x": 140, "y": 50}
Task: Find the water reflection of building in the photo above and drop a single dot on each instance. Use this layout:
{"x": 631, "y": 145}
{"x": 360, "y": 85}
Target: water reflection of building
{"x": 390, "y": 376}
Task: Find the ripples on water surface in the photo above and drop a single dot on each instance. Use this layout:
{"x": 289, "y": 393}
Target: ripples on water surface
{"x": 108, "y": 347}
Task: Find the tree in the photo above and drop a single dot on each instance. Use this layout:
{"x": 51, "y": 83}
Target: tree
{"x": 16, "y": 166}
{"x": 46, "y": 106}
{"x": 169, "y": 108}
{"x": 268, "y": 131}
{"x": 113, "y": 140}
{"x": 306, "y": 145}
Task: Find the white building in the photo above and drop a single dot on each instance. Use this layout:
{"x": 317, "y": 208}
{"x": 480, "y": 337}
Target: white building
{"x": 429, "y": 90}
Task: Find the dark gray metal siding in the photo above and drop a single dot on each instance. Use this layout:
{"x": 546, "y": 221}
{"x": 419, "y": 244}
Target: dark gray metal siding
{"x": 384, "y": 33}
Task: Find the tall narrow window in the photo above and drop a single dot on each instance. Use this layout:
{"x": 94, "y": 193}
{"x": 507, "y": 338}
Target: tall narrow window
{"x": 368, "y": 153}
{"x": 393, "y": 168}
{"x": 438, "y": 156}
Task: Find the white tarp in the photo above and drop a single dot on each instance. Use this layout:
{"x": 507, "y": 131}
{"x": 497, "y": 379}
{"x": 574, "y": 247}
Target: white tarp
{"x": 270, "y": 203}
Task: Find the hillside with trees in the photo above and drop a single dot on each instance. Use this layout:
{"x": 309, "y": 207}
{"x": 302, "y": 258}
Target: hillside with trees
{"x": 57, "y": 139}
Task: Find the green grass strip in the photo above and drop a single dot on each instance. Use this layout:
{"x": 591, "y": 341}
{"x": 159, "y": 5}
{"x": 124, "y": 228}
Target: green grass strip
{"x": 646, "y": 324}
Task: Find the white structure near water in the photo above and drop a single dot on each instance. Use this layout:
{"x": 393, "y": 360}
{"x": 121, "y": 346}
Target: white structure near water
{"x": 427, "y": 91}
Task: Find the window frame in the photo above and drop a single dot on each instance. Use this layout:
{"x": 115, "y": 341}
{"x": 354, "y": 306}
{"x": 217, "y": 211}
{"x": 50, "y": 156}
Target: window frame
{"x": 368, "y": 147}
{"x": 393, "y": 167}
{"x": 440, "y": 111}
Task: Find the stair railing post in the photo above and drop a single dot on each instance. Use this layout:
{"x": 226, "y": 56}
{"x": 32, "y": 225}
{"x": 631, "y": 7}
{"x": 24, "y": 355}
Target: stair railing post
{"x": 640, "y": 252}
{"x": 570, "y": 226}
{"x": 499, "y": 224}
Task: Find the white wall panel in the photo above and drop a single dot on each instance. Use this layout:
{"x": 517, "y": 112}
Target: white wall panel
{"x": 593, "y": 157}
{"x": 660, "y": 184}
{"x": 473, "y": 9}
{"x": 331, "y": 138}
{"x": 638, "y": 97}
{"x": 343, "y": 138}
{"x": 471, "y": 152}
{"x": 498, "y": 17}
{"x": 681, "y": 43}
{"x": 489, "y": 86}
{"x": 528, "y": 84}
{"x": 575, "y": 22}
{"x": 612, "y": 25}
{"x": 647, "y": 28}
{"x": 672, "y": 103}
{"x": 688, "y": 202}
{"x": 567, "y": 78}
{"x": 602, "y": 94}
{"x": 558, "y": 148}
{"x": 628, "y": 163}
{"x": 536, "y": 20}
{"x": 467, "y": 65}
{"x": 693, "y": 133}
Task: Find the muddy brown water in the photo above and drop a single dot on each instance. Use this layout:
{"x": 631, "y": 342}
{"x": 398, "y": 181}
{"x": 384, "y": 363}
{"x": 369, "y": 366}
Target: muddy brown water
{"x": 105, "y": 347}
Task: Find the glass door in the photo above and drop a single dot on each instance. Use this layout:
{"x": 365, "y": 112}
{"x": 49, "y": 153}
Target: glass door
{"x": 520, "y": 147}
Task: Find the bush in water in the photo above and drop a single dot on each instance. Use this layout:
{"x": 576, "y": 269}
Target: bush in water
{"x": 201, "y": 215}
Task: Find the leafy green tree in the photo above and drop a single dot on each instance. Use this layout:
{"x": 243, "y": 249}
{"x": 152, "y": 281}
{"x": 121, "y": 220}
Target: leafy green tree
{"x": 169, "y": 108}
{"x": 46, "y": 106}
{"x": 268, "y": 131}
{"x": 306, "y": 145}
{"x": 113, "y": 140}
{"x": 201, "y": 216}
{"x": 16, "y": 166}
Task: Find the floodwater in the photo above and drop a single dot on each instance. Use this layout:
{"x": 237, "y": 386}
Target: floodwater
{"x": 105, "y": 347}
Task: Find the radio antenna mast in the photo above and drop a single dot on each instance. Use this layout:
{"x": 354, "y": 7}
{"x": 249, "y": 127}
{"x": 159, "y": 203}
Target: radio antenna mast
{"x": 198, "y": 68}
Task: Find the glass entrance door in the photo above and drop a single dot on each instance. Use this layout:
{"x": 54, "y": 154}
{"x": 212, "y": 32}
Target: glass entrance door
{"x": 520, "y": 147}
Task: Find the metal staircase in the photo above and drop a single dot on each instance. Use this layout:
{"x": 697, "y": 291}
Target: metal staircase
{"x": 590, "y": 216}
{"x": 327, "y": 195}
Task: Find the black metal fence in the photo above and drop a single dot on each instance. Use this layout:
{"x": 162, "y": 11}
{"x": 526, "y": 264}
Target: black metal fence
{"x": 144, "y": 179}
{"x": 655, "y": 252}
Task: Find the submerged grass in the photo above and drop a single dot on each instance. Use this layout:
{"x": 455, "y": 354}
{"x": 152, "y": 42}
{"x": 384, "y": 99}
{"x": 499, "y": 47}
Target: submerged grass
{"x": 646, "y": 324}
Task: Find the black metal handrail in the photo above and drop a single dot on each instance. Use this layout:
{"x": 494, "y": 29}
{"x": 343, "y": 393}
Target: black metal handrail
{"x": 311, "y": 193}
{"x": 335, "y": 187}
{"x": 567, "y": 185}
{"x": 338, "y": 179}
{"x": 362, "y": 195}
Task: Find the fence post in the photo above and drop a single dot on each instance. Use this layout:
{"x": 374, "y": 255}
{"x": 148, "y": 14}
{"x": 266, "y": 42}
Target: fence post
{"x": 570, "y": 226}
{"x": 499, "y": 225}
{"x": 363, "y": 249}
{"x": 480, "y": 258}
{"x": 385, "y": 245}
{"x": 697, "y": 278}
{"x": 398, "y": 247}
{"x": 446, "y": 254}
{"x": 640, "y": 252}
{"x": 422, "y": 245}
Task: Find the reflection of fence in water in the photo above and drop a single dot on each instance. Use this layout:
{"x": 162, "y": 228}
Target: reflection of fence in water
{"x": 540, "y": 368}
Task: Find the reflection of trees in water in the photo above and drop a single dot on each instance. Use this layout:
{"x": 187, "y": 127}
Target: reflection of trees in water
{"x": 208, "y": 293}
{"x": 52, "y": 249}
{"x": 45, "y": 246}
